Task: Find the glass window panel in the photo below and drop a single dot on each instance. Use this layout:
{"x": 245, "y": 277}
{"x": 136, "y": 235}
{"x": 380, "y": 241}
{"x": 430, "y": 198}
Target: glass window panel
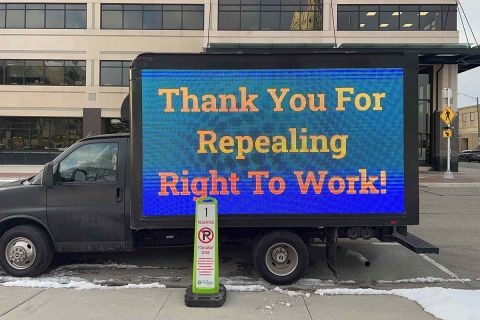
{"x": 270, "y": 21}
{"x": 286, "y": 20}
{"x": 14, "y": 72}
{"x": 35, "y": 19}
{"x": 134, "y": 7}
{"x": 152, "y": 20}
{"x": 172, "y": 20}
{"x": 125, "y": 77}
{"x": 54, "y": 73}
{"x": 172, "y": 7}
{"x": 348, "y": 21}
{"x": 389, "y": 20}
{"x": 192, "y": 20}
{"x": 348, "y": 8}
{"x": 38, "y": 6}
{"x": 449, "y": 19}
{"x": 75, "y": 63}
{"x": 34, "y": 72}
{"x": 369, "y": 20}
{"x": 250, "y": 20}
{"x": 2, "y": 74}
{"x": 222, "y": 2}
{"x": 112, "y": 19}
{"x": 20, "y": 6}
{"x": 95, "y": 162}
{"x": 15, "y": 19}
{"x": 132, "y": 20}
{"x": 192, "y": 7}
{"x": 111, "y": 64}
{"x": 430, "y": 20}
{"x": 76, "y": 7}
{"x": 75, "y": 19}
{"x": 2, "y": 18}
{"x": 54, "y": 63}
{"x": 111, "y": 77}
{"x": 53, "y": 6}
{"x": 75, "y": 75}
{"x": 126, "y": 64}
{"x": 409, "y": 20}
{"x": 152, "y": 7}
{"x": 55, "y": 19}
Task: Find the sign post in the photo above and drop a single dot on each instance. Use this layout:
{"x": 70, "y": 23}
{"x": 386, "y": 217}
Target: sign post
{"x": 447, "y": 116}
{"x": 205, "y": 290}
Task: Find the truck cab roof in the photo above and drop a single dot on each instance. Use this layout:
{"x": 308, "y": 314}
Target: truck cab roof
{"x": 107, "y": 136}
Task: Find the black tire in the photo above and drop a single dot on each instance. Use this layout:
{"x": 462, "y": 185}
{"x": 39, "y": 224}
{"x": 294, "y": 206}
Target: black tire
{"x": 263, "y": 252}
{"x": 42, "y": 246}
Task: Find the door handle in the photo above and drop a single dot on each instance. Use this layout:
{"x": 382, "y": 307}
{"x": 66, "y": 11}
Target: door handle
{"x": 119, "y": 194}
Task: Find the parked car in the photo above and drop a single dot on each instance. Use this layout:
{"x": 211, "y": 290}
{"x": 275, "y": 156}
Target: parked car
{"x": 474, "y": 156}
{"x": 463, "y": 156}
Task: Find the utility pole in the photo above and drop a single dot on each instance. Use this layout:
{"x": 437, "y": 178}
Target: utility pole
{"x": 448, "y": 174}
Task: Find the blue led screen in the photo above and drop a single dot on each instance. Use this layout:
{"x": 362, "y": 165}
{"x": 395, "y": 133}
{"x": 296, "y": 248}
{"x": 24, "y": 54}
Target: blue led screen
{"x": 270, "y": 141}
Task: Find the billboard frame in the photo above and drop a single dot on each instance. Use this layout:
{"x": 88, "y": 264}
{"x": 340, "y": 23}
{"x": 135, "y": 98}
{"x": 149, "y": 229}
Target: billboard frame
{"x": 343, "y": 59}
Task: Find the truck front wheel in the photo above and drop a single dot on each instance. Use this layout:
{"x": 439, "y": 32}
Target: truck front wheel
{"x": 25, "y": 251}
{"x": 281, "y": 257}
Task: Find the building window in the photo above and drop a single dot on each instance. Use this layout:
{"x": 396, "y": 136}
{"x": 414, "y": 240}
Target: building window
{"x": 464, "y": 117}
{"x": 115, "y": 125}
{"x": 114, "y": 73}
{"x": 34, "y": 140}
{"x": 267, "y": 15}
{"x": 152, "y": 17}
{"x": 472, "y": 116}
{"x": 43, "y": 16}
{"x": 397, "y": 17}
{"x": 43, "y": 72}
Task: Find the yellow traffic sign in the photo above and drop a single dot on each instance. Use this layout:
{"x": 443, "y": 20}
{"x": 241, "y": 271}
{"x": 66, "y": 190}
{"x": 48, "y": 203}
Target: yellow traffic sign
{"x": 447, "y": 133}
{"x": 447, "y": 115}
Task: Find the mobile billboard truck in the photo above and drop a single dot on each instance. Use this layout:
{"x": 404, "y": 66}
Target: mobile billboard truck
{"x": 294, "y": 147}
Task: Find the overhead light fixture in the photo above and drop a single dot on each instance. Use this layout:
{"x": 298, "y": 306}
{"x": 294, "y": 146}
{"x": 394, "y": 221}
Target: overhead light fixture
{"x": 371, "y": 13}
{"x": 384, "y": 25}
{"x": 362, "y": 25}
{"x": 424, "y": 13}
{"x": 408, "y": 25}
{"x": 396, "y": 13}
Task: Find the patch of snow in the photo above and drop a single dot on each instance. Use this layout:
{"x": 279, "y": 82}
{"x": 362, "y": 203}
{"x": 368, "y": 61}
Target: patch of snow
{"x": 425, "y": 280}
{"x": 290, "y": 293}
{"x": 70, "y": 283}
{"x": 268, "y": 307}
{"x": 83, "y": 266}
{"x": 307, "y": 295}
{"x": 443, "y": 303}
{"x": 247, "y": 288}
{"x": 288, "y": 305}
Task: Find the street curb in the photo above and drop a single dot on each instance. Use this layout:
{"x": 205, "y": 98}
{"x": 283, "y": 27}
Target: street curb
{"x": 450, "y": 184}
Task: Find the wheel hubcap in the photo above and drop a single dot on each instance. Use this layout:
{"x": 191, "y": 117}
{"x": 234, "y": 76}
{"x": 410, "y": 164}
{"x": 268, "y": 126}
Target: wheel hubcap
{"x": 281, "y": 259}
{"x": 20, "y": 253}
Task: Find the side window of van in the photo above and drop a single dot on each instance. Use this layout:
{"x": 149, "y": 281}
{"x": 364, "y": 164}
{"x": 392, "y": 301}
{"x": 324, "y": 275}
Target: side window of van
{"x": 91, "y": 163}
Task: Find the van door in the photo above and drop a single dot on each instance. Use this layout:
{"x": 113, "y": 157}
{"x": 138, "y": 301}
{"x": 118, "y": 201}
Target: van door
{"x": 86, "y": 207}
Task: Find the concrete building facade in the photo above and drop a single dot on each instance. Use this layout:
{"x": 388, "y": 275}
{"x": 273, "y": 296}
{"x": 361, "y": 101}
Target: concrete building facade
{"x": 64, "y": 66}
{"x": 468, "y": 128}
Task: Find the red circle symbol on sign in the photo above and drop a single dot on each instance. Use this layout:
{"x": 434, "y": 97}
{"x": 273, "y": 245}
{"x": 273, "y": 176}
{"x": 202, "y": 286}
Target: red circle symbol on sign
{"x": 205, "y": 235}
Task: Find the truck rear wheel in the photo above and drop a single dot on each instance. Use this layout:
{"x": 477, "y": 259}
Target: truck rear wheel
{"x": 25, "y": 251}
{"x": 281, "y": 257}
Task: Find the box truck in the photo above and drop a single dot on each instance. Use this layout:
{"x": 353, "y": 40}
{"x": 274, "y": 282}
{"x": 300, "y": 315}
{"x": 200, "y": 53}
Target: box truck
{"x": 295, "y": 147}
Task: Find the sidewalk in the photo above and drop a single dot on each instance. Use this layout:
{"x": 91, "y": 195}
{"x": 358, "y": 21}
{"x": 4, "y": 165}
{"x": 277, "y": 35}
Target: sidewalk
{"x": 166, "y": 304}
{"x": 463, "y": 178}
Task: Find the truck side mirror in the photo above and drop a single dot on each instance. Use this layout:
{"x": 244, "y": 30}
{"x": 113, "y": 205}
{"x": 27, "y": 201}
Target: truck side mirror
{"x": 48, "y": 177}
